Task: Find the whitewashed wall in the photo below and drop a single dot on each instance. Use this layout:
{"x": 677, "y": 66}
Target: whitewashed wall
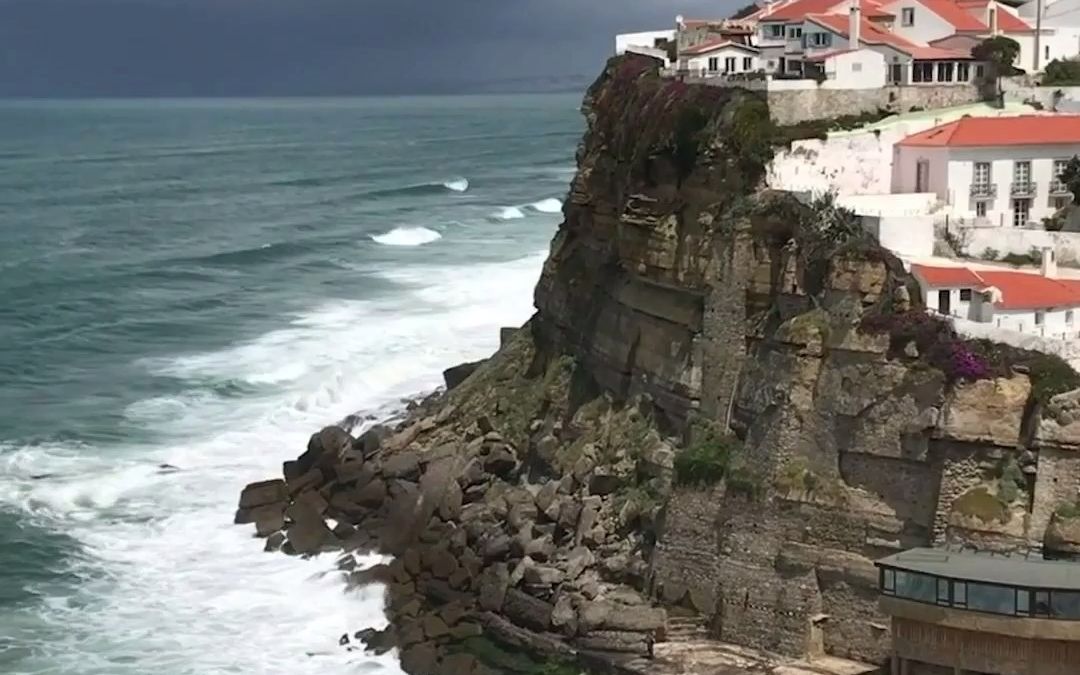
{"x": 643, "y": 39}
{"x": 1007, "y": 240}
{"x": 927, "y": 26}
{"x": 861, "y": 69}
{"x": 911, "y": 236}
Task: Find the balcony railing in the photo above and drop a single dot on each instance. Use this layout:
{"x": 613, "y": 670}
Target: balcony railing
{"x": 1058, "y": 188}
{"x": 984, "y": 190}
{"x": 1022, "y": 189}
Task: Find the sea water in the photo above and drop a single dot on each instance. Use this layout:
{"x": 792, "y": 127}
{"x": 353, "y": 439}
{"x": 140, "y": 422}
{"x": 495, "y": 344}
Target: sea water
{"x": 189, "y": 289}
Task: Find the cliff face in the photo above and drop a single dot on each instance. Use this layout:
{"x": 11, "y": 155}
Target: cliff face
{"x": 683, "y": 285}
{"x": 681, "y": 304}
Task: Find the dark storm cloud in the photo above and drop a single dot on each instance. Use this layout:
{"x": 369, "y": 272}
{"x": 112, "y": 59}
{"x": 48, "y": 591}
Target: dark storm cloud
{"x": 298, "y": 47}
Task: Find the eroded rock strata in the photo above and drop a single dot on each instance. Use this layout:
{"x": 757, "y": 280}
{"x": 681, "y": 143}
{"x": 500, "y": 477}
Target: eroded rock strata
{"x": 534, "y": 508}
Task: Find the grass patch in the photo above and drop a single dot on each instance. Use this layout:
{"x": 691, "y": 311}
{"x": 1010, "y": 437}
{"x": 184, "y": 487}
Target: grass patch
{"x": 1011, "y": 482}
{"x": 797, "y": 476}
{"x": 1068, "y": 511}
{"x": 980, "y": 503}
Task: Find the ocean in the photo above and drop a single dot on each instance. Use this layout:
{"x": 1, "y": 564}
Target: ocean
{"x": 188, "y": 290}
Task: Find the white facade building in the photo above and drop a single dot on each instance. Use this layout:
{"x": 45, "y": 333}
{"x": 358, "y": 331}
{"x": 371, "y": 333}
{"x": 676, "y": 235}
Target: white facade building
{"x": 992, "y": 171}
{"x": 1033, "y": 302}
{"x": 720, "y": 57}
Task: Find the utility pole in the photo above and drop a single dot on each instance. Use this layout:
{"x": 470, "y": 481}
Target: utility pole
{"x": 1038, "y": 33}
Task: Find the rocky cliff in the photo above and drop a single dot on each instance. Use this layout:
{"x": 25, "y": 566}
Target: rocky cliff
{"x": 727, "y": 405}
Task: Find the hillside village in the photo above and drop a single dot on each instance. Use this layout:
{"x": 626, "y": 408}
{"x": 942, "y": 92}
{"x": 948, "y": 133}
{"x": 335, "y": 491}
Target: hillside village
{"x": 962, "y": 173}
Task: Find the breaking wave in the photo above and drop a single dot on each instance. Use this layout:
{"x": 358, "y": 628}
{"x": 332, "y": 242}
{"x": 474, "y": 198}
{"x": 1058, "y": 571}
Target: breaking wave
{"x": 551, "y": 205}
{"x": 407, "y": 236}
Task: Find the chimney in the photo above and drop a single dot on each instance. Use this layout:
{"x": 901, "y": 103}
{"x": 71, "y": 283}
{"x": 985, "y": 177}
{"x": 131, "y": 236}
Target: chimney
{"x": 854, "y": 23}
{"x": 1049, "y": 262}
{"x": 992, "y": 18}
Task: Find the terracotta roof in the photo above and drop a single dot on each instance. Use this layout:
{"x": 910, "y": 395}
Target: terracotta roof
{"x": 938, "y": 53}
{"x": 948, "y": 277}
{"x": 955, "y": 15}
{"x": 869, "y": 33}
{"x": 1007, "y": 21}
{"x": 1030, "y": 291}
{"x": 713, "y": 45}
{"x": 1018, "y": 290}
{"x": 801, "y": 9}
{"x": 1000, "y": 131}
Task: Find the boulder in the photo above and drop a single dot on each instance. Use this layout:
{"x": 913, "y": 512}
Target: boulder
{"x": 527, "y": 611}
{"x": 370, "y": 442}
{"x": 543, "y": 575}
{"x": 455, "y": 375}
{"x": 494, "y": 582}
{"x": 411, "y": 561}
{"x": 420, "y": 659}
{"x": 326, "y": 447}
{"x": 579, "y": 559}
{"x": 254, "y": 515}
{"x": 564, "y": 616}
{"x": 592, "y": 615}
{"x": 274, "y": 542}
{"x": 308, "y": 535}
{"x": 371, "y": 495}
{"x": 500, "y": 461}
{"x": 604, "y": 482}
{"x": 271, "y": 522}
{"x": 434, "y": 626}
{"x": 311, "y": 479}
{"x": 263, "y": 493}
{"x": 312, "y": 499}
{"x": 464, "y": 631}
{"x": 546, "y": 496}
{"x": 641, "y": 618}
{"x": 452, "y": 501}
{"x": 376, "y": 574}
{"x": 496, "y": 547}
{"x": 569, "y": 512}
{"x": 440, "y": 562}
{"x": 460, "y": 664}
{"x": 541, "y": 549}
{"x": 472, "y": 473}
{"x": 376, "y": 641}
{"x": 616, "y": 641}
{"x": 402, "y": 465}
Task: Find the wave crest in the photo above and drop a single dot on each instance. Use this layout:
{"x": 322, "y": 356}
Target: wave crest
{"x": 457, "y": 184}
{"x": 550, "y": 205}
{"x": 510, "y": 213}
{"x": 407, "y": 236}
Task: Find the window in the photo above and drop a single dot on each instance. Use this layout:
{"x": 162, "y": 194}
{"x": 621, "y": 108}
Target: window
{"x": 896, "y": 73}
{"x": 979, "y": 70}
{"x": 821, "y": 39}
{"x": 1040, "y": 317}
{"x": 987, "y": 598}
{"x": 965, "y": 295}
{"x": 714, "y": 64}
{"x": 959, "y": 592}
{"x": 943, "y": 592}
{"x": 1023, "y": 602}
{"x": 907, "y": 16}
{"x": 1046, "y": 55}
{"x": 980, "y": 209}
{"x": 1065, "y": 605}
{"x": 1042, "y": 603}
{"x": 729, "y": 64}
{"x": 1068, "y": 316}
{"x": 1021, "y": 212}
{"x": 856, "y": 67}
{"x": 794, "y": 32}
{"x": 915, "y": 586}
{"x": 776, "y": 31}
{"x": 963, "y": 72}
{"x": 888, "y": 580}
{"x": 945, "y": 71}
{"x": 1022, "y": 172}
{"x": 748, "y": 63}
{"x": 1059, "y": 168}
{"x": 922, "y": 72}
{"x": 981, "y": 173}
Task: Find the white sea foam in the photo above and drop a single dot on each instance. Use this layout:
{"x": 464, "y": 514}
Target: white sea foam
{"x": 407, "y": 236}
{"x": 168, "y": 584}
{"x": 551, "y": 205}
{"x": 457, "y": 184}
{"x": 510, "y": 213}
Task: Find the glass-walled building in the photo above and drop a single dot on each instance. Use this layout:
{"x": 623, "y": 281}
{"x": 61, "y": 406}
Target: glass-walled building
{"x": 965, "y": 613}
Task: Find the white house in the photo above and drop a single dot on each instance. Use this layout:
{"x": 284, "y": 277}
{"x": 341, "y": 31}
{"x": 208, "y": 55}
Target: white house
{"x": 995, "y": 171}
{"x": 650, "y": 39}
{"x": 1032, "y": 302}
{"x": 719, "y": 57}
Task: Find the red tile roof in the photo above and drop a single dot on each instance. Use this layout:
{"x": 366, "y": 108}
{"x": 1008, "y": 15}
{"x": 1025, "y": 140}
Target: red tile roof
{"x": 800, "y": 9}
{"x": 955, "y": 15}
{"x": 1000, "y": 131}
{"x": 1018, "y": 290}
{"x": 948, "y": 277}
{"x": 869, "y": 33}
{"x": 713, "y": 45}
{"x": 1007, "y": 21}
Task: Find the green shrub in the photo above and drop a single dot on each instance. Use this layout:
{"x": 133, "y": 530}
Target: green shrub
{"x": 990, "y": 254}
{"x": 703, "y": 463}
{"x": 1021, "y": 259}
{"x": 1011, "y": 481}
{"x": 1064, "y": 73}
{"x": 1050, "y": 375}
{"x": 980, "y": 503}
{"x": 1068, "y": 511}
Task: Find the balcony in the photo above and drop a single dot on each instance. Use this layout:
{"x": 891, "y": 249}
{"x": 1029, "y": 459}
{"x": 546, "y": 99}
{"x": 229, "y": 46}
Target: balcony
{"x": 1059, "y": 189}
{"x": 1022, "y": 189}
{"x": 983, "y": 190}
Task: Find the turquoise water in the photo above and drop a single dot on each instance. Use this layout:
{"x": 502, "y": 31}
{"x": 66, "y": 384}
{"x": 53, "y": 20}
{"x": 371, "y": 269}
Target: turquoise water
{"x": 202, "y": 284}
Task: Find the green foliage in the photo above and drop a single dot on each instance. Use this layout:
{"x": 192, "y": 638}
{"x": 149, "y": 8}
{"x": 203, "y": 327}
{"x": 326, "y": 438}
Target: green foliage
{"x": 1068, "y": 511}
{"x": 745, "y": 480}
{"x": 1071, "y": 177}
{"x": 516, "y": 662}
{"x": 820, "y": 128}
{"x": 1065, "y": 73}
{"x": 1000, "y": 53}
{"x": 752, "y": 134}
{"x": 1055, "y": 222}
{"x": 1032, "y": 257}
{"x": 990, "y": 254}
{"x": 1050, "y": 375}
{"x": 1011, "y": 481}
{"x": 704, "y": 462}
{"x": 980, "y": 503}
{"x": 797, "y": 476}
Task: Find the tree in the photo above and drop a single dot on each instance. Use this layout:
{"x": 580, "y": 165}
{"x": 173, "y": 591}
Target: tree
{"x": 1070, "y": 175}
{"x": 1064, "y": 73}
{"x": 999, "y": 52}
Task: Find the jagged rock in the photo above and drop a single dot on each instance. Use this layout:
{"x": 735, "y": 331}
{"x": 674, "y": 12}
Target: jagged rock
{"x": 376, "y": 574}
{"x": 263, "y": 493}
{"x": 542, "y": 575}
{"x": 308, "y": 535}
{"x": 569, "y": 512}
{"x": 500, "y": 461}
{"x": 593, "y": 615}
{"x": 546, "y": 448}
{"x": 518, "y": 573}
{"x": 411, "y": 633}
{"x": 579, "y": 559}
{"x": 312, "y": 499}
{"x": 371, "y": 495}
{"x": 402, "y": 465}
{"x": 420, "y": 659}
{"x": 353, "y": 473}
{"x": 311, "y": 479}
{"x": 494, "y": 582}
{"x": 588, "y": 520}
{"x": 459, "y": 664}
{"x": 377, "y": 642}
{"x": 369, "y": 442}
{"x": 440, "y": 562}
{"x": 615, "y": 641}
{"x": 546, "y": 497}
{"x": 506, "y": 334}
{"x": 254, "y": 515}
{"x": 472, "y": 474}
{"x": 452, "y": 501}
{"x": 271, "y": 522}
{"x": 703, "y": 599}
{"x": 496, "y": 547}
{"x": 604, "y": 482}
{"x": 274, "y": 542}
{"x": 464, "y": 631}
{"x": 527, "y": 611}
{"x": 325, "y": 448}
{"x": 635, "y": 618}
{"x": 541, "y": 549}
{"x": 564, "y": 616}
{"x": 434, "y": 626}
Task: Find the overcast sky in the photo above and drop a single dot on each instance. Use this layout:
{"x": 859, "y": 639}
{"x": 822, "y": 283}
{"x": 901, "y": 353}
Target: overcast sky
{"x": 300, "y": 47}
